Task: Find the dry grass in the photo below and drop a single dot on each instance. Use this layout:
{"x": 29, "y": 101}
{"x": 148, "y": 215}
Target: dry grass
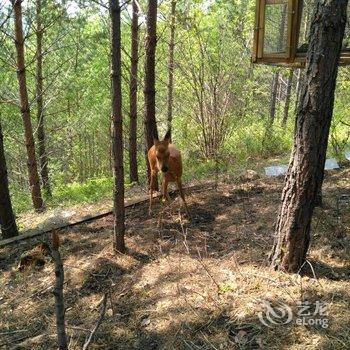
{"x": 194, "y": 285}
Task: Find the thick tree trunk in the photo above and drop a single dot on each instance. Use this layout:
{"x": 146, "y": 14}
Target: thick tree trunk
{"x": 151, "y": 131}
{"x": 133, "y": 93}
{"x": 117, "y": 128}
{"x": 305, "y": 173}
{"x": 171, "y": 65}
{"x": 23, "y": 93}
{"x": 287, "y": 103}
{"x": 7, "y": 218}
{"x": 43, "y": 158}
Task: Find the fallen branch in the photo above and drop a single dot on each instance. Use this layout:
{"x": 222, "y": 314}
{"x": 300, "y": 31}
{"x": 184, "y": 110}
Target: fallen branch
{"x": 206, "y": 269}
{"x": 32, "y": 233}
{"x": 78, "y": 328}
{"x": 98, "y": 323}
{"x": 344, "y": 123}
{"x": 27, "y": 342}
{"x": 15, "y": 331}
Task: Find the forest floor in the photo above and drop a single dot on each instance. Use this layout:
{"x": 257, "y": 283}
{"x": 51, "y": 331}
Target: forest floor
{"x": 190, "y": 285}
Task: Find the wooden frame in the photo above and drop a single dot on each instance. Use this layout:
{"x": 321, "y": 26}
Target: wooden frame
{"x": 291, "y": 57}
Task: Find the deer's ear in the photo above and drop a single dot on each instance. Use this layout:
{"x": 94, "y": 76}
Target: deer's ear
{"x": 167, "y": 136}
{"x": 155, "y": 137}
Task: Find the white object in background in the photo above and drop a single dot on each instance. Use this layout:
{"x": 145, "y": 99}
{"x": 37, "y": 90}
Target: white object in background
{"x": 276, "y": 170}
{"x": 347, "y": 155}
{"x": 331, "y": 164}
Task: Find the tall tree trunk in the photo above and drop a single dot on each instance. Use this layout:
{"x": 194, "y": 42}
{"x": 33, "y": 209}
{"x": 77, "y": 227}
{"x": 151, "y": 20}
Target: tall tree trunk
{"x": 287, "y": 103}
{"x": 171, "y": 65}
{"x": 7, "y": 218}
{"x": 151, "y": 131}
{"x": 133, "y": 93}
{"x": 273, "y": 98}
{"x": 275, "y": 77}
{"x": 43, "y": 158}
{"x": 34, "y": 182}
{"x": 117, "y": 128}
{"x": 306, "y": 168}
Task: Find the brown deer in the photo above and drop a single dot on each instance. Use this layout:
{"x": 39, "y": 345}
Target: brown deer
{"x": 164, "y": 157}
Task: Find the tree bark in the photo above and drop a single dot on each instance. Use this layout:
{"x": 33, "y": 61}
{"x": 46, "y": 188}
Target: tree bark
{"x": 287, "y": 102}
{"x": 117, "y": 128}
{"x": 7, "y": 218}
{"x": 133, "y": 175}
{"x": 34, "y": 182}
{"x": 151, "y": 131}
{"x": 306, "y": 168}
{"x": 171, "y": 65}
{"x": 43, "y": 158}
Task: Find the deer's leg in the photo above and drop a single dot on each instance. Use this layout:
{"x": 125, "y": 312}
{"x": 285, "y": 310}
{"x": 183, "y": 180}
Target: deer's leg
{"x": 163, "y": 198}
{"x": 151, "y": 185}
{"x": 165, "y": 188}
{"x": 182, "y": 195}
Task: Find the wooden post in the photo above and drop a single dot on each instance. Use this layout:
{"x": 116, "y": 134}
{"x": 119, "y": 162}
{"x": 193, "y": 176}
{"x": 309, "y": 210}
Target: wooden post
{"x": 58, "y": 293}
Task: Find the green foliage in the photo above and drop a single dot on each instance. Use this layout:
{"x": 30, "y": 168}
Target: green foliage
{"x": 226, "y": 287}
{"x": 20, "y": 200}
{"x": 92, "y": 190}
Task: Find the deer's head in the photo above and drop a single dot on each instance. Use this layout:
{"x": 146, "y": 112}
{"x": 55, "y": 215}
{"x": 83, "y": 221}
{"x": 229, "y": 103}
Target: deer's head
{"x": 162, "y": 152}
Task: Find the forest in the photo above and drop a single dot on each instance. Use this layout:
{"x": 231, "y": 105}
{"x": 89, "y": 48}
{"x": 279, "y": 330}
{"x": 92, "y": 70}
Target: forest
{"x": 250, "y": 248}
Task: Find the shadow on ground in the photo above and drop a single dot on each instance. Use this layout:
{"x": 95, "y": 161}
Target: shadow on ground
{"x": 188, "y": 284}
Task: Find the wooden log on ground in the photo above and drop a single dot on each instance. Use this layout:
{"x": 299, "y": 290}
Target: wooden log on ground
{"x": 86, "y": 218}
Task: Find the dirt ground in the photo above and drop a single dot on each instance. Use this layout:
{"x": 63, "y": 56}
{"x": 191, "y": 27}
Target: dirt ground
{"x": 188, "y": 285}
